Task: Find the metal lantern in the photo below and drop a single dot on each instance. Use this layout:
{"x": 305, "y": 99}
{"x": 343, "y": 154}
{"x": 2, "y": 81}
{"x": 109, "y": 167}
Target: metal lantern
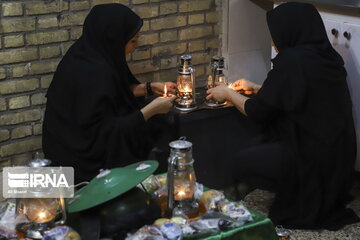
{"x": 181, "y": 180}
{"x": 41, "y": 213}
{"x": 185, "y": 85}
{"x": 216, "y": 76}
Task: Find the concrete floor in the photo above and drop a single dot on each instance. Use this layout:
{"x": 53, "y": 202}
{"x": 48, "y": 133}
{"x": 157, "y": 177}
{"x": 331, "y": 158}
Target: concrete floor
{"x": 260, "y": 201}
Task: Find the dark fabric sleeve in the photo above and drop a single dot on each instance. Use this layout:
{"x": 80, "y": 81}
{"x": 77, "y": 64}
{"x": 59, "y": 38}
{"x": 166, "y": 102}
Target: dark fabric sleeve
{"x": 259, "y": 111}
{"x": 283, "y": 91}
{"x": 128, "y": 141}
{"x": 109, "y": 128}
{"x": 285, "y": 85}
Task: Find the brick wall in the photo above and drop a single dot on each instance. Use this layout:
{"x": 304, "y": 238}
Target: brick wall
{"x": 35, "y": 34}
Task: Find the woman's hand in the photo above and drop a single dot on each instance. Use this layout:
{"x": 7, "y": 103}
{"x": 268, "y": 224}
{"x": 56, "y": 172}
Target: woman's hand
{"x": 223, "y": 93}
{"x": 219, "y": 93}
{"x": 159, "y": 105}
{"x": 158, "y": 87}
{"x": 246, "y": 85}
{"x": 162, "y": 104}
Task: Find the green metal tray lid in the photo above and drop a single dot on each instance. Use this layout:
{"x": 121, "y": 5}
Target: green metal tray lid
{"x": 109, "y": 184}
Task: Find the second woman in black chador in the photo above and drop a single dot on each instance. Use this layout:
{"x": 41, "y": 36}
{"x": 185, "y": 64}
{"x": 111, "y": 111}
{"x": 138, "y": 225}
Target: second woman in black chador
{"x": 304, "y": 105}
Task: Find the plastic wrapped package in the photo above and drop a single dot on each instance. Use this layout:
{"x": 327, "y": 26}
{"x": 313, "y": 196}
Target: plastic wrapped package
{"x": 161, "y": 198}
{"x": 61, "y": 233}
{"x": 147, "y": 232}
{"x": 225, "y": 222}
{"x": 206, "y": 225}
{"x": 236, "y": 211}
{"x": 161, "y": 221}
{"x": 210, "y": 197}
{"x": 151, "y": 184}
{"x": 7, "y": 215}
{"x": 225, "y": 225}
{"x": 180, "y": 220}
{"x": 7, "y": 234}
{"x": 171, "y": 231}
{"x": 187, "y": 230}
{"x": 161, "y": 180}
{"x": 199, "y": 191}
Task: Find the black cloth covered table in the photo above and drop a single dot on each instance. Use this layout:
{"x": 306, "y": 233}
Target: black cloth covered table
{"x": 216, "y": 135}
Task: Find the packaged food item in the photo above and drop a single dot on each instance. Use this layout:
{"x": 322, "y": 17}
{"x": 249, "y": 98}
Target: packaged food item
{"x": 236, "y": 211}
{"x": 225, "y": 222}
{"x": 7, "y": 234}
{"x": 199, "y": 191}
{"x": 187, "y": 230}
{"x": 206, "y": 225}
{"x": 7, "y": 216}
{"x": 210, "y": 197}
{"x": 61, "y": 233}
{"x": 160, "y": 196}
{"x": 143, "y": 236}
{"x": 180, "y": 220}
{"x": 151, "y": 184}
{"x": 161, "y": 221}
{"x": 147, "y": 232}
{"x": 171, "y": 231}
{"x": 225, "y": 225}
{"x": 161, "y": 180}
{"x": 215, "y": 214}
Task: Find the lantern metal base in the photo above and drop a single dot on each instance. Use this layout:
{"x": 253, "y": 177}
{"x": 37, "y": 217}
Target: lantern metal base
{"x": 188, "y": 207}
{"x": 185, "y": 106}
{"x": 214, "y": 104}
{"x": 34, "y": 230}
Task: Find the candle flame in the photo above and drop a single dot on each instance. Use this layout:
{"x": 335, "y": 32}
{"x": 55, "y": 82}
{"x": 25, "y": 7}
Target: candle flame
{"x": 187, "y": 89}
{"x": 165, "y": 91}
{"x": 181, "y": 193}
{"x": 42, "y": 215}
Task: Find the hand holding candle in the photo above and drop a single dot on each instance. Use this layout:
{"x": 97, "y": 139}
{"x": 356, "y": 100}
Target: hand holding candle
{"x": 245, "y": 86}
{"x": 219, "y": 93}
{"x": 159, "y": 88}
{"x": 165, "y": 91}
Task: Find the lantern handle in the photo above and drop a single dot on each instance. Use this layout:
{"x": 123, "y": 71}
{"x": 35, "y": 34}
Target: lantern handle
{"x": 192, "y": 75}
{"x": 63, "y": 213}
{"x": 170, "y": 185}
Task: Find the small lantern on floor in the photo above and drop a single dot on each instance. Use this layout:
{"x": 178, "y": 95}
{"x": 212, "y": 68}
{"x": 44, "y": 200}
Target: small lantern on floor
{"x": 181, "y": 180}
{"x": 216, "y": 76}
{"x": 42, "y": 213}
{"x": 186, "y": 85}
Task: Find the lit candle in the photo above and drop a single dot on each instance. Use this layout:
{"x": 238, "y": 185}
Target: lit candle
{"x": 165, "y": 91}
{"x": 182, "y": 193}
{"x": 222, "y": 80}
{"x": 42, "y": 216}
{"x": 187, "y": 89}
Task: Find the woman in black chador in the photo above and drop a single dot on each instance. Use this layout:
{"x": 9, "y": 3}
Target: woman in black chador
{"x": 304, "y": 105}
{"x": 93, "y": 119}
